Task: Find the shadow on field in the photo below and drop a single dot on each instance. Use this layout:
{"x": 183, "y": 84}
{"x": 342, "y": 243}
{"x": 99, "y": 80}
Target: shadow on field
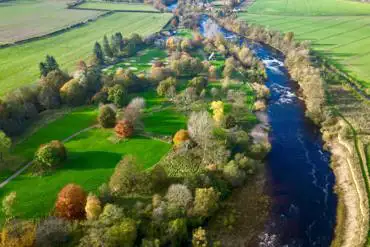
{"x": 91, "y": 160}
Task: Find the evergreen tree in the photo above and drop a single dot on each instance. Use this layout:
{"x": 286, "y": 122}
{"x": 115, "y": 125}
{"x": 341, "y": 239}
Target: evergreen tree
{"x": 98, "y": 52}
{"x": 43, "y": 69}
{"x": 51, "y": 63}
{"x": 107, "y": 49}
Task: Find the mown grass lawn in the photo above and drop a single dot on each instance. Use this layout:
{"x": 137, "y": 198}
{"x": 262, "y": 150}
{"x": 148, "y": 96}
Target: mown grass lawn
{"x": 141, "y": 62}
{"x": 19, "y": 65}
{"x": 117, "y": 6}
{"x": 339, "y": 30}
{"x": 91, "y": 161}
{"x": 165, "y": 122}
{"x": 59, "y": 129}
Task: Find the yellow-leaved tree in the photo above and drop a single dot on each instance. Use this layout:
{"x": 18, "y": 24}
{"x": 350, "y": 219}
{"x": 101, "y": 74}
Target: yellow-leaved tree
{"x": 218, "y": 111}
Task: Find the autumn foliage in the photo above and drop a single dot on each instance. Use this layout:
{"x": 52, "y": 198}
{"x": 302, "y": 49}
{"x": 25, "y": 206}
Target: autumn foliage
{"x": 71, "y": 202}
{"x": 124, "y": 129}
{"x": 180, "y": 136}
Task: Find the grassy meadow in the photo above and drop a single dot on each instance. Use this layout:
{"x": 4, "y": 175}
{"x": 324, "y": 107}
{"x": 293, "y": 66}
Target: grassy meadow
{"x": 91, "y": 161}
{"x": 117, "y": 6}
{"x": 19, "y": 64}
{"x": 23, "y": 19}
{"x": 338, "y": 30}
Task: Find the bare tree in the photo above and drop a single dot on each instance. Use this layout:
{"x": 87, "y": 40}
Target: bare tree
{"x": 200, "y": 127}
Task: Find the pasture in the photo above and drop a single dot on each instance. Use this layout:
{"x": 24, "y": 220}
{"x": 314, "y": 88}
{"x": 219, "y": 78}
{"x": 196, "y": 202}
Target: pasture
{"x": 19, "y": 64}
{"x": 21, "y": 20}
{"x": 342, "y": 37}
{"x": 117, "y": 6}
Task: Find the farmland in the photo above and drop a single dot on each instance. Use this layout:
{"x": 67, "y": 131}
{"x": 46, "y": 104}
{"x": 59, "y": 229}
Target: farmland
{"x": 21, "y": 20}
{"x": 337, "y": 30}
{"x": 117, "y": 6}
{"x": 19, "y": 64}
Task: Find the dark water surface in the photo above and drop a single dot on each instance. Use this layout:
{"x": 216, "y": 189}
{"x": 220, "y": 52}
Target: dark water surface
{"x": 299, "y": 179}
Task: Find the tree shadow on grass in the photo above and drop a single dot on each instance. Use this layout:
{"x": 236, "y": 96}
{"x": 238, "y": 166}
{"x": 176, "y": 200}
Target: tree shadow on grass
{"x": 91, "y": 160}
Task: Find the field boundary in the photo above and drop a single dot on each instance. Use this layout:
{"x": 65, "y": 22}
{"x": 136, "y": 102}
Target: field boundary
{"x": 57, "y": 32}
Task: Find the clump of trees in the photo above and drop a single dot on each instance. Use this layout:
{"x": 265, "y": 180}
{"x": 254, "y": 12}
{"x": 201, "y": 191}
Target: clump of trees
{"x": 50, "y": 156}
{"x": 107, "y": 116}
{"x": 71, "y": 202}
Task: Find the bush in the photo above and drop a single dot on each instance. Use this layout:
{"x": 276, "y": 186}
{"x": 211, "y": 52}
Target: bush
{"x": 121, "y": 234}
{"x": 53, "y": 232}
{"x": 107, "y": 117}
{"x": 205, "y": 201}
{"x": 234, "y": 174}
{"x": 179, "y": 195}
{"x": 71, "y": 202}
{"x": 8, "y": 203}
{"x": 178, "y": 232}
{"x": 165, "y": 85}
{"x": 93, "y": 207}
{"x": 129, "y": 178}
{"x": 199, "y": 83}
{"x": 18, "y": 234}
{"x": 230, "y": 122}
{"x": 199, "y": 238}
{"x": 124, "y": 129}
{"x": 50, "y": 155}
{"x": 158, "y": 177}
{"x": 180, "y": 137}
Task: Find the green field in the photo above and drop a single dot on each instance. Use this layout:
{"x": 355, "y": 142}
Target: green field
{"x": 141, "y": 62}
{"x": 19, "y": 64}
{"x": 334, "y": 28}
{"x": 22, "y": 19}
{"x": 57, "y": 130}
{"x": 166, "y": 122}
{"x": 91, "y": 161}
{"x": 309, "y": 7}
{"x": 118, "y": 6}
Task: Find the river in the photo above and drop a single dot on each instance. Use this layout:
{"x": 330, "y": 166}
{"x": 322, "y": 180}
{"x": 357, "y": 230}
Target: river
{"x": 298, "y": 177}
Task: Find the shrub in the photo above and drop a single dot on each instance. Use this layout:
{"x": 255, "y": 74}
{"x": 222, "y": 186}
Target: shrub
{"x": 234, "y": 174}
{"x": 128, "y": 178}
{"x": 18, "y": 234}
{"x": 111, "y": 214}
{"x": 107, "y": 117}
{"x": 121, "y": 234}
{"x": 8, "y": 203}
{"x": 93, "y": 207}
{"x": 165, "y": 85}
{"x": 52, "y": 232}
{"x": 158, "y": 177}
{"x": 50, "y": 155}
{"x": 180, "y": 137}
{"x": 179, "y": 195}
{"x": 71, "y": 202}
{"x": 230, "y": 122}
{"x": 199, "y": 83}
{"x": 117, "y": 95}
{"x": 124, "y": 129}
{"x": 199, "y": 238}
{"x": 259, "y": 105}
{"x": 205, "y": 201}
{"x": 178, "y": 232}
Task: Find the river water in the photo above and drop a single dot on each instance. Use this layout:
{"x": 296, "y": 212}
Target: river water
{"x": 299, "y": 179}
